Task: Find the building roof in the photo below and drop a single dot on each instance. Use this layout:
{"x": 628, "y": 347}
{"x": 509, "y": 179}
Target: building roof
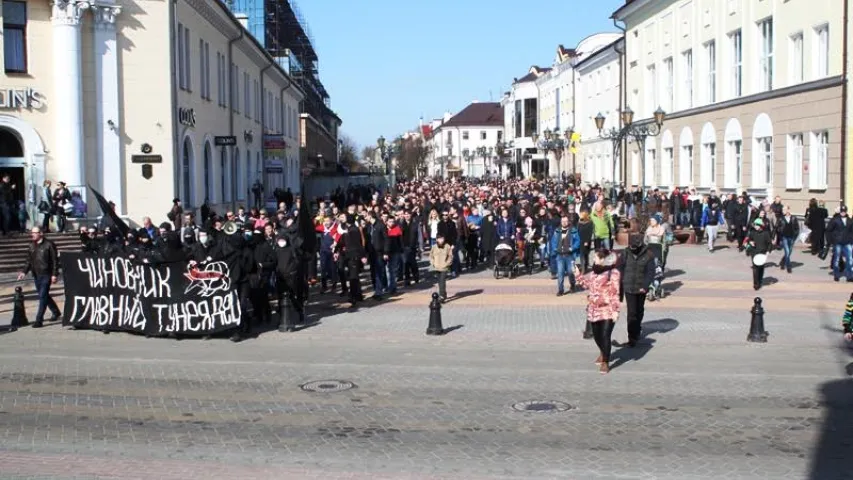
{"x": 532, "y": 74}
{"x": 485, "y": 114}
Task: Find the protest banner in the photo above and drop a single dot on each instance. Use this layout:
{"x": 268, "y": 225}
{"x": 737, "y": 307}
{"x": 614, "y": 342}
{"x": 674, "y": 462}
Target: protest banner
{"x": 118, "y": 294}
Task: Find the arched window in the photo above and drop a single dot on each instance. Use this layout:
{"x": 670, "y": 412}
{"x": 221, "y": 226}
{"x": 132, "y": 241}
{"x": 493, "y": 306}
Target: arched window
{"x": 708, "y": 170}
{"x": 685, "y": 157}
{"x": 186, "y": 173}
{"x": 208, "y": 174}
{"x": 10, "y": 144}
{"x": 734, "y": 154}
{"x": 762, "y": 152}
{"x": 667, "y": 160}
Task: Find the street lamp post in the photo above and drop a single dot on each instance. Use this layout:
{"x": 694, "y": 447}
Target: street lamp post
{"x": 485, "y": 153}
{"x": 501, "y": 149}
{"x": 638, "y": 133}
{"x": 551, "y": 142}
{"x": 447, "y": 159}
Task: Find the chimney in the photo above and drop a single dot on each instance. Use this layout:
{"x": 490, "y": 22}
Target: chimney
{"x": 243, "y": 19}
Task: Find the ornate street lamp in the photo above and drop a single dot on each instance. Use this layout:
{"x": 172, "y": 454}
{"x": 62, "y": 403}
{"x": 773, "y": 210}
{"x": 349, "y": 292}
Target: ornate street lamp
{"x": 387, "y": 152}
{"x": 551, "y": 142}
{"x": 637, "y": 133}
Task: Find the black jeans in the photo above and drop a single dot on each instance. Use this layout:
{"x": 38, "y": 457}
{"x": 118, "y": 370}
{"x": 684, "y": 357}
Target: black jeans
{"x": 45, "y": 300}
{"x": 757, "y": 275}
{"x": 442, "y": 284}
{"x": 410, "y": 266}
{"x": 602, "y": 331}
{"x": 636, "y": 306}
{"x": 6, "y": 213}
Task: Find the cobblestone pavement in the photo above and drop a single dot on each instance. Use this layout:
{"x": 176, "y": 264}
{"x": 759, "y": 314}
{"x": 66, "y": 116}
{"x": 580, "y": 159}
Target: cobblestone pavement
{"x": 693, "y": 401}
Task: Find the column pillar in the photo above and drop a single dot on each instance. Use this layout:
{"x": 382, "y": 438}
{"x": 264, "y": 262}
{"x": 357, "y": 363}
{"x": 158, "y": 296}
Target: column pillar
{"x": 67, "y": 102}
{"x": 107, "y": 127}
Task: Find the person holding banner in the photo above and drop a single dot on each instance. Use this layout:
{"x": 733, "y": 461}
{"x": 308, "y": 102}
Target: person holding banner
{"x": 43, "y": 263}
{"x": 759, "y": 244}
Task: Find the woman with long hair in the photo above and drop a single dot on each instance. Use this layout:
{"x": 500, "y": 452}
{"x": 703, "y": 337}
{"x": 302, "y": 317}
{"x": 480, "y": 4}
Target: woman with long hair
{"x": 602, "y": 311}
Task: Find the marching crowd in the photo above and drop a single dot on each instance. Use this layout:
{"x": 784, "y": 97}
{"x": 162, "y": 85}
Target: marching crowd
{"x": 511, "y": 226}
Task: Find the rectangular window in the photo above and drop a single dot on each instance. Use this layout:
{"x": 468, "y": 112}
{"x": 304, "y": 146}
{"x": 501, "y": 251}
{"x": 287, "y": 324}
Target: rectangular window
{"x": 818, "y": 166}
{"x": 652, "y": 102}
{"x": 688, "y": 78}
{"x": 737, "y": 63}
{"x": 204, "y": 68}
{"x": 187, "y": 61}
{"x": 763, "y": 168}
{"x": 15, "y": 36}
{"x": 247, "y": 92}
{"x": 669, "y": 93}
{"x": 737, "y": 159}
{"x": 181, "y": 72}
{"x": 220, "y": 86}
{"x": 464, "y": 134}
{"x": 711, "y": 58}
{"x": 530, "y": 117}
{"x": 235, "y": 88}
{"x": 686, "y": 166}
{"x": 766, "y": 56}
{"x": 822, "y": 54}
{"x": 794, "y": 164}
{"x": 257, "y": 95}
{"x": 517, "y": 119}
{"x": 650, "y": 167}
{"x": 667, "y": 168}
{"x": 709, "y": 164}
{"x": 795, "y": 62}
{"x": 482, "y": 135}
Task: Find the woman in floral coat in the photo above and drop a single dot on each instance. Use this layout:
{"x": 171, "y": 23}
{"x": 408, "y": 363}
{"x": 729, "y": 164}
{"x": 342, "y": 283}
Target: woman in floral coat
{"x": 602, "y": 285}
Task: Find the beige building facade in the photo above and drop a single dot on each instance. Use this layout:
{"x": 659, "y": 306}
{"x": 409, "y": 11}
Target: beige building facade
{"x": 143, "y": 101}
{"x": 752, "y": 91}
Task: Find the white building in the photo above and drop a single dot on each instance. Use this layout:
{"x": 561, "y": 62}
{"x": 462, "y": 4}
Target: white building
{"x": 598, "y": 91}
{"x": 465, "y": 144}
{"x": 521, "y": 121}
{"x": 144, "y": 101}
{"x": 752, "y": 91}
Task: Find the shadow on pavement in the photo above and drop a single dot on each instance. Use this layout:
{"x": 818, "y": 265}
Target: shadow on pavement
{"x": 831, "y": 458}
{"x": 451, "y": 329}
{"x": 674, "y": 273}
{"x": 466, "y": 293}
{"x": 632, "y": 354}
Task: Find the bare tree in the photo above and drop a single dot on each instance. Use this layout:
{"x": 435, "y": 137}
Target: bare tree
{"x": 349, "y": 153}
{"x": 411, "y": 158}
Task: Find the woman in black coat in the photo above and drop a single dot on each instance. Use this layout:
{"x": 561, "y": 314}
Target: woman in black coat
{"x": 816, "y": 216}
{"x": 760, "y": 243}
{"x": 488, "y": 240}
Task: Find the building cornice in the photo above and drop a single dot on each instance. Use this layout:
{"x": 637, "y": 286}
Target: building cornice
{"x": 215, "y": 16}
{"x": 631, "y": 7}
{"x": 821, "y": 84}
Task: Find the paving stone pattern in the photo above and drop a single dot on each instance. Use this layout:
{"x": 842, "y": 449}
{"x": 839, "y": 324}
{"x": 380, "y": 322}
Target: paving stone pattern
{"x": 693, "y": 401}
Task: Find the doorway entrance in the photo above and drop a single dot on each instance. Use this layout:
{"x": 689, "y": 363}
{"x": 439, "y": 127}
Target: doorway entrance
{"x": 12, "y": 164}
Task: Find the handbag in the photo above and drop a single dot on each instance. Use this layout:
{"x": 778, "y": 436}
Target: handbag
{"x": 44, "y": 207}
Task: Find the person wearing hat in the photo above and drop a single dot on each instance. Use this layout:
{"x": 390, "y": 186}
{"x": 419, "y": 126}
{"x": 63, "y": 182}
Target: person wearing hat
{"x": 759, "y": 244}
{"x": 176, "y": 214}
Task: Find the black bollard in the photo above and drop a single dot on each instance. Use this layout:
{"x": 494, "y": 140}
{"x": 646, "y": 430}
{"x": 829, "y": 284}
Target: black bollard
{"x": 587, "y": 332}
{"x": 435, "y": 327}
{"x": 756, "y": 326}
{"x": 19, "y": 313}
{"x": 287, "y": 314}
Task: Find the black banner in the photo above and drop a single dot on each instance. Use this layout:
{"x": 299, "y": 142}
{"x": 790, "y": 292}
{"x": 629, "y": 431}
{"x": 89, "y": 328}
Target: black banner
{"x": 117, "y": 294}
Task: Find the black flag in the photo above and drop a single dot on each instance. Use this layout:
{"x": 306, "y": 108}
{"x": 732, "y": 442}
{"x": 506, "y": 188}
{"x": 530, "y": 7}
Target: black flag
{"x": 306, "y": 225}
{"x": 110, "y": 213}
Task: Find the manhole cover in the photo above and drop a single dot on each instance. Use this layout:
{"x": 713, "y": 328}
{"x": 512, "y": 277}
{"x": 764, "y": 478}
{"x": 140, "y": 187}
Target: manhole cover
{"x": 327, "y": 386}
{"x": 542, "y": 406}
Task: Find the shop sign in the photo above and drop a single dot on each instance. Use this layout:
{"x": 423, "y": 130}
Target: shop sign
{"x": 16, "y": 98}
{"x": 274, "y": 145}
{"x": 225, "y": 141}
{"x": 186, "y": 116}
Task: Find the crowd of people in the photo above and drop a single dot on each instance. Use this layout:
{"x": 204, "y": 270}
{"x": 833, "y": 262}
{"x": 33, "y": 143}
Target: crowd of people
{"x": 569, "y": 231}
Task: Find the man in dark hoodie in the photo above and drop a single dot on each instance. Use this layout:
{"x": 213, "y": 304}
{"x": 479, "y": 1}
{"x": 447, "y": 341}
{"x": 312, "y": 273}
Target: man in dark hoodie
{"x": 237, "y": 256}
{"x": 638, "y": 267}
{"x": 287, "y": 281}
{"x": 377, "y": 254}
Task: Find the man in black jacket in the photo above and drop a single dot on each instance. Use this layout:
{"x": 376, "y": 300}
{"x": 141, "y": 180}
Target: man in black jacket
{"x": 377, "y": 254}
{"x": 411, "y": 253}
{"x": 352, "y": 251}
{"x": 43, "y": 262}
{"x": 638, "y": 272}
{"x": 841, "y": 232}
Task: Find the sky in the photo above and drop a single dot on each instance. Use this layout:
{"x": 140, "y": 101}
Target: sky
{"x": 386, "y": 63}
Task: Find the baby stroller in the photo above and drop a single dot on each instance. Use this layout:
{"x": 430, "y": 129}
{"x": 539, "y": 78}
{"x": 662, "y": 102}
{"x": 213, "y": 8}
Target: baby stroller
{"x": 656, "y": 291}
{"x": 506, "y": 264}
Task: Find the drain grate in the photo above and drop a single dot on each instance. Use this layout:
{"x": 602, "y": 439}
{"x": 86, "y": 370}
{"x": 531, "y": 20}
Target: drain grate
{"x": 542, "y": 406}
{"x": 327, "y": 386}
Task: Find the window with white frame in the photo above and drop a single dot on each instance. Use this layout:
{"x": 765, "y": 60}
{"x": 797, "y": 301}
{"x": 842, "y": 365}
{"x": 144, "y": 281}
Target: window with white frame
{"x": 709, "y": 164}
{"x": 686, "y": 165}
{"x": 818, "y": 161}
{"x": 219, "y": 79}
{"x": 667, "y": 167}
{"x": 15, "y": 36}
{"x": 734, "y": 157}
{"x": 187, "y": 61}
{"x": 247, "y": 100}
{"x": 736, "y": 44}
{"x": 482, "y": 134}
{"x": 794, "y": 162}
{"x": 635, "y": 167}
{"x": 687, "y": 61}
{"x": 822, "y": 53}
{"x": 652, "y": 101}
{"x": 651, "y": 158}
{"x": 257, "y": 94}
{"x": 464, "y": 134}
{"x": 763, "y": 167}
{"x": 765, "y": 35}
{"x": 669, "y": 92}
{"x": 204, "y": 72}
{"x": 795, "y": 60}
{"x": 711, "y": 66}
